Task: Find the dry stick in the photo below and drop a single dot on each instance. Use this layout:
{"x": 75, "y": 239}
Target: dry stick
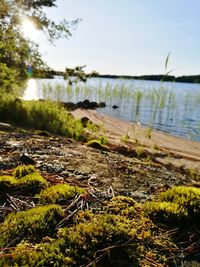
{"x": 76, "y": 200}
{"x": 61, "y": 223}
{"x": 191, "y": 248}
{"x": 12, "y": 203}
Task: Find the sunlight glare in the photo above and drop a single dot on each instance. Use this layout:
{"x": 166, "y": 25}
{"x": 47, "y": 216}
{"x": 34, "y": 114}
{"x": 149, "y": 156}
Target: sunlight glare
{"x": 31, "y": 90}
{"x": 28, "y": 29}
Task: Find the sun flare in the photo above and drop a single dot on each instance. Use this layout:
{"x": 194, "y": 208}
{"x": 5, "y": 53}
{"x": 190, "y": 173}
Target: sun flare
{"x": 28, "y": 29}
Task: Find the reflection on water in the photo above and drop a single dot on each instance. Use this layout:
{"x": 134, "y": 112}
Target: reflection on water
{"x": 169, "y": 107}
{"x": 31, "y": 92}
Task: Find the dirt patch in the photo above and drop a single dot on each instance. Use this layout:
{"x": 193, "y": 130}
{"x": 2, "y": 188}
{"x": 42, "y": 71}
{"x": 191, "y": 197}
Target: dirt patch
{"x": 104, "y": 172}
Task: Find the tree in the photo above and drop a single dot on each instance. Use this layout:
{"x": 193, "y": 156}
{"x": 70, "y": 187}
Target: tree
{"x": 75, "y": 75}
{"x": 16, "y": 52}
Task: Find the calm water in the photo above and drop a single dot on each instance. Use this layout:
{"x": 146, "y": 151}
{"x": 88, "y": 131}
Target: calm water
{"x": 170, "y": 107}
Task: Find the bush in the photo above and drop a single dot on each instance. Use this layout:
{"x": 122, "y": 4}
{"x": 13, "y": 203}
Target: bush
{"x": 30, "y": 225}
{"x": 60, "y": 193}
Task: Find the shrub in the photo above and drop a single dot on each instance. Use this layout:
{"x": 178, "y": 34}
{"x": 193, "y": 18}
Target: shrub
{"x": 30, "y": 225}
{"x": 60, "y": 193}
{"x": 24, "y": 170}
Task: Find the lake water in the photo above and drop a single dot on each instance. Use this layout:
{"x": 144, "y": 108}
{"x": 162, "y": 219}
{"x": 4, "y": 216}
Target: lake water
{"x": 167, "y": 106}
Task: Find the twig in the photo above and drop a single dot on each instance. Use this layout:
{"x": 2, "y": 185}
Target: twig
{"x": 61, "y": 223}
{"x": 104, "y": 251}
{"x": 12, "y": 203}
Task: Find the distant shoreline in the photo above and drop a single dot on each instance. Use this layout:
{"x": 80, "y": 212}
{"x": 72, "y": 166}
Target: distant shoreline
{"x": 156, "y": 77}
{"x": 169, "y": 78}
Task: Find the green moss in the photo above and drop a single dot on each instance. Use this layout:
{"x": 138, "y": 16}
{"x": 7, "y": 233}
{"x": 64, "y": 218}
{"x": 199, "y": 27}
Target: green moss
{"x": 97, "y": 144}
{"x": 29, "y": 225}
{"x": 176, "y": 205}
{"x": 124, "y": 206}
{"x": 6, "y": 183}
{"x": 60, "y": 193}
{"x": 24, "y": 170}
{"x": 165, "y": 212}
{"x": 182, "y": 195}
{"x": 114, "y": 240}
{"x": 84, "y": 240}
{"x": 32, "y": 184}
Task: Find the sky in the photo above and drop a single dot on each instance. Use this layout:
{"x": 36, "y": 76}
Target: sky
{"x": 127, "y": 37}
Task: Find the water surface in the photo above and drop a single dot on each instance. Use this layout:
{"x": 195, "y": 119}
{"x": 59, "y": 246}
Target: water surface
{"x": 167, "y": 106}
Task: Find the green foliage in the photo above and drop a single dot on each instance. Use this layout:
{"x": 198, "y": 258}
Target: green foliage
{"x": 30, "y": 225}
{"x": 179, "y": 204}
{"x": 75, "y": 75}
{"x": 47, "y": 116}
{"x": 16, "y": 52}
{"x": 12, "y": 110}
{"x": 60, "y": 193}
{"x": 46, "y": 254}
{"x": 24, "y": 170}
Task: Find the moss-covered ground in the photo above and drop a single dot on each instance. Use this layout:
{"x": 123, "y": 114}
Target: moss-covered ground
{"x": 43, "y": 224}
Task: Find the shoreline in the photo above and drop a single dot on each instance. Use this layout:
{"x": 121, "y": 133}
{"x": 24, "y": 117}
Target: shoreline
{"x": 169, "y": 149}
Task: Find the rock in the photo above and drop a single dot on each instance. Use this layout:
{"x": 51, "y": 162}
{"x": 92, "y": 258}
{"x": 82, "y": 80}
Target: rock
{"x": 139, "y": 195}
{"x": 69, "y": 105}
{"x": 101, "y": 105}
{"x": 115, "y": 107}
{"x": 86, "y": 104}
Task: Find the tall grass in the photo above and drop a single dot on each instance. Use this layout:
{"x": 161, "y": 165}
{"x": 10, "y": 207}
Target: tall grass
{"x": 41, "y": 115}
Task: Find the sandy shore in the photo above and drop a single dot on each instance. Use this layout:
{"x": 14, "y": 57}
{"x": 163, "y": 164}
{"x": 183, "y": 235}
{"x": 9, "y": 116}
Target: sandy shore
{"x": 175, "y": 150}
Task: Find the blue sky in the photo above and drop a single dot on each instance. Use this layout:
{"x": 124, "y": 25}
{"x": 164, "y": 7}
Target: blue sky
{"x": 128, "y": 36}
